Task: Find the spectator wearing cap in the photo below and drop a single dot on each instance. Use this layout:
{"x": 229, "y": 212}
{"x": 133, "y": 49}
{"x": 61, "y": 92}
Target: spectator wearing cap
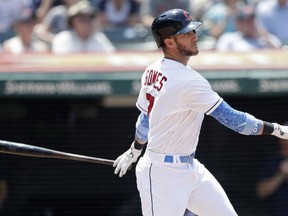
{"x": 248, "y": 35}
{"x": 24, "y": 41}
{"x": 273, "y": 16}
{"x": 83, "y": 35}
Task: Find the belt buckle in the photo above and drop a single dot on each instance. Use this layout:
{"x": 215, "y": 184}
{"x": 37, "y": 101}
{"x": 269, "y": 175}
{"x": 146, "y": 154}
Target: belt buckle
{"x": 186, "y": 159}
{"x": 191, "y": 157}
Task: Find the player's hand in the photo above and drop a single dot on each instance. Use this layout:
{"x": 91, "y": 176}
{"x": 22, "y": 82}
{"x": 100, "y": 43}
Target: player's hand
{"x": 124, "y": 161}
{"x": 280, "y": 131}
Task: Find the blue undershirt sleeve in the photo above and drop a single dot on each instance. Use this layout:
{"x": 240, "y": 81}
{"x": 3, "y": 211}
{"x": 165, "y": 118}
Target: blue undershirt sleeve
{"x": 142, "y": 128}
{"x": 241, "y": 122}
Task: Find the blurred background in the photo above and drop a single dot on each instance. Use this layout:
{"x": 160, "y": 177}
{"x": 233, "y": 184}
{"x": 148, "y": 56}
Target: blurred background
{"x": 69, "y": 77}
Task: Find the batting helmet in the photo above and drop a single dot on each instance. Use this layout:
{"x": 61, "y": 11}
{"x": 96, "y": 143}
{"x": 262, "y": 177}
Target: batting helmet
{"x": 172, "y": 22}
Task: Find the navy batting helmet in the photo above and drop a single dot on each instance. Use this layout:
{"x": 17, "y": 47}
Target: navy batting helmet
{"x": 172, "y": 22}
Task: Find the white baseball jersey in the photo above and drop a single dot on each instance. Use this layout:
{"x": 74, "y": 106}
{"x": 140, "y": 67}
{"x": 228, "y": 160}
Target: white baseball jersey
{"x": 176, "y": 98}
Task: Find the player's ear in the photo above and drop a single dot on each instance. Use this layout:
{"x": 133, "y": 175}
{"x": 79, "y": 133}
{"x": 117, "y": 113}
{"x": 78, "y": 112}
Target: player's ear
{"x": 169, "y": 42}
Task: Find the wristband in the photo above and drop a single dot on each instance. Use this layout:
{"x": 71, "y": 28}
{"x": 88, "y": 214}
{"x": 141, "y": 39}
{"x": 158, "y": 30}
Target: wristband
{"x": 138, "y": 146}
{"x": 268, "y": 128}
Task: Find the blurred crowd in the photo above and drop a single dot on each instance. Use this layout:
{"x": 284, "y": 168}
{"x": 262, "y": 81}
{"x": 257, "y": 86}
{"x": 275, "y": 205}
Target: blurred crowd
{"x": 70, "y": 26}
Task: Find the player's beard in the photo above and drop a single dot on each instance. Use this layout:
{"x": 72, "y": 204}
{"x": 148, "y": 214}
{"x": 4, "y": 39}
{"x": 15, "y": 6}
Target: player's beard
{"x": 185, "y": 51}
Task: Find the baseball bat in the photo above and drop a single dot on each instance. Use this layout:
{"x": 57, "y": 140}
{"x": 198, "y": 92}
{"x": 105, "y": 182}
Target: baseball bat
{"x": 35, "y": 151}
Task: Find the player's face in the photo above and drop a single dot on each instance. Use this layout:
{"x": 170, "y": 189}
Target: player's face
{"x": 187, "y": 43}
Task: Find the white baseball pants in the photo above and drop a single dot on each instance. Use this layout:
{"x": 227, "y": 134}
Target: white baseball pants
{"x": 169, "y": 188}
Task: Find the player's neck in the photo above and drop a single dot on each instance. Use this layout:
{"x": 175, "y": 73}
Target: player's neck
{"x": 182, "y": 59}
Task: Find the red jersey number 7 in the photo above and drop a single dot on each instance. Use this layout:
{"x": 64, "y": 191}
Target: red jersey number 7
{"x": 151, "y": 99}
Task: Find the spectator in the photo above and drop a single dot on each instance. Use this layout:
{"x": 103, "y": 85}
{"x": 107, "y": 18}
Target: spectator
{"x": 24, "y": 40}
{"x": 248, "y": 35}
{"x": 273, "y": 16}
{"x": 83, "y": 36}
{"x": 150, "y": 9}
{"x": 9, "y": 11}
{"x": 272, "y": 185}
{"x": 119, "y": 12}
{"x": 220, "y": 18}
{"x": 54, "y": 21}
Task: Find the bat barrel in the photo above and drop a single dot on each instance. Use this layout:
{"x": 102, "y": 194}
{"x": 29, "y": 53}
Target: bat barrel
{"x": 35, "y": 151}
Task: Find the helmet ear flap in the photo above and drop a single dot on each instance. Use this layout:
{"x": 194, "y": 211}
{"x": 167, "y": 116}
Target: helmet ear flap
{"x": 164, "y": 30}
{"x": 158, "y": 38}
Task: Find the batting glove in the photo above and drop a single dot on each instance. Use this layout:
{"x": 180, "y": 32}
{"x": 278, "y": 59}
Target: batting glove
{"x": 124, "y": 161}
{"x": 280, "y": 131}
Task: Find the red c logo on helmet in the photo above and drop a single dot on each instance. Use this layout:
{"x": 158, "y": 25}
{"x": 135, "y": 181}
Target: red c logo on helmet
{"x": 186, "y": 14}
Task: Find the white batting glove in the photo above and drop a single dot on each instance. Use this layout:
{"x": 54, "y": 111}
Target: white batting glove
{"x": 124, "y": 161}
{"x": 280, "y": 131}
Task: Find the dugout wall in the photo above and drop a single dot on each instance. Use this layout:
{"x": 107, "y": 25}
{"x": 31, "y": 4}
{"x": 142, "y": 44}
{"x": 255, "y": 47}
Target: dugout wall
{"x": 38, "y": 186}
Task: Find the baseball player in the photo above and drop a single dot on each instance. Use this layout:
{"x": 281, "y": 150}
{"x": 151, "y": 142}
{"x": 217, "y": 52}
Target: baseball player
{"x": 173, "y": 101}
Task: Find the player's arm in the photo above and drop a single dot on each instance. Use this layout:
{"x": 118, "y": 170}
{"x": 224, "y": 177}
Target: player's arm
{"x": 124, "y": 161}
{"x": 142, "y": 129}
{"x": 246, "y": 124}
